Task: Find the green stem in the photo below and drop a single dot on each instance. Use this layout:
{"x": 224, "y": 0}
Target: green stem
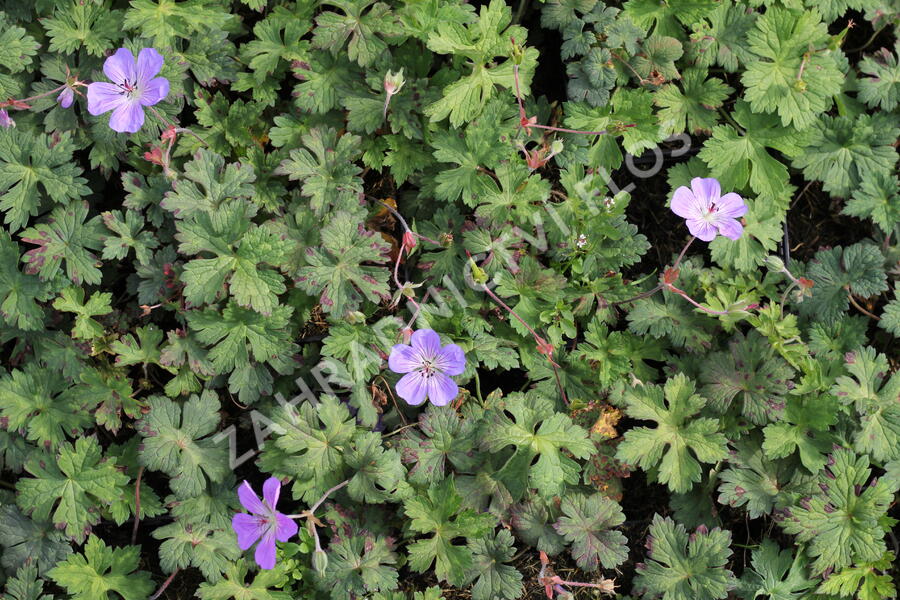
{"x": 478, "y": 388}
{"x": 731, "y": 121}
{"x": 841, "y": 107}
{"x": 520, "y": 11}
{"x": 869, "y": 41}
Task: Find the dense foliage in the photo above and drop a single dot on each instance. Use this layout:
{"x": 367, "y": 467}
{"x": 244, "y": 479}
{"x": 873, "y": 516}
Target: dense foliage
{"x": 411, "y": 265}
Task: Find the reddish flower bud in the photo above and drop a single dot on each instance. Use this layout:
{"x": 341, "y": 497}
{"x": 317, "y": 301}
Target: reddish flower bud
{"x": 670, "y": 276}
{"x": 154, "y": 156}
{"x": 409, "y": 240}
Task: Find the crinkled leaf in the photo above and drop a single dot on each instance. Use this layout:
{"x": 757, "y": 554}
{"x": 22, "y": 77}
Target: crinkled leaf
{"x": 587, "y": 523}
{"x": 72, "y": 300}
{"x": 838, "y": 272}
{"x": 265, "y": 584}
{"x": 791, "y": 73}
{"x": 192, "y": 544}
{"x": 30, "y": 544}
{"x": 680, "y": 567}
{"x": 359, "y": 565}
{"x": 845, "y": 151}
{"x": 874, "y": 396}
{"x": 326, "y": 167}
{"x": 882, "y": 89}
{"x": 75, "y": 482}
{"x": 840, "y": 524}
{"x": 42, "y": 404}
{"x": 531, "y": 425}
{"x": 693, "y": 109}
{"x": 775, "y": 574}
{"x": 28, "y": 161}
{"x": 493, "y": 577}
{"x": 336, "y": 272}
{"x": 65, "y": 236}
{"x": 177, "y": 442}
{"x": 750, "y": 372}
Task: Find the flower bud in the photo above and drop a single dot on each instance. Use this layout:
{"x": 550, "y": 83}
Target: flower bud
{"x": 518, "y": 53}
{"x": 320, "y": 561}
{"x": 478, "y": 274}
{"x": 393, "y": 82}
{"x": 409, "y": 241}
{"x": 354, "y": 317}
{"x": 775, "y": 264}
{"x": 556, "y": 147}
{"x": 66, "y": 97}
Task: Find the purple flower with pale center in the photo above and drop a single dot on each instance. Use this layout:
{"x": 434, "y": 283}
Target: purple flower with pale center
{"x": 66, "y": 97}
{"x": 5, "y": 120}
{"x": 426, "y": 365}
{"x": 134, "y": 86}
{"x": 707, "y": 211}
{"x": 264, "y": 523}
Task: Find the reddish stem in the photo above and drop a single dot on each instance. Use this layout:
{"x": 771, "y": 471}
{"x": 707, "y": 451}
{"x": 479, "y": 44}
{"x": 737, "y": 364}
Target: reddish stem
{"x": 527, "y": 123}
{"x": 537, "y": 338}
{"x": 403, "y": 222}
{"x": 683, "y": 250}
{"x": 684, "y": 295}
{"x": 544, "y": 347}
{"x": 165, "y": 585}
{"x": 13, "y": 103}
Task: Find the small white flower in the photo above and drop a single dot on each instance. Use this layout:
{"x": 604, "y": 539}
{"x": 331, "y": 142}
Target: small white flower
{"x": 582, "y": 241}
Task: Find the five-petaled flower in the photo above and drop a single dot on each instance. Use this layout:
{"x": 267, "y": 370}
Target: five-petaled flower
{"x": 426, "y": 365}
{"x": 134, "y": 86}
{"x": 264, "y": 523}
{"x": 707, "y": 211}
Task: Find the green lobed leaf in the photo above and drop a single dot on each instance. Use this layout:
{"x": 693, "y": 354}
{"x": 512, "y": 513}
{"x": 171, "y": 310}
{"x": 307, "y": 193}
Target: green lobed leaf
{"x": 177, "y": 442}
{"x": 587, "y": 522}
{"x": 75, "y": 482}
{"x": 680, "y": 442}
{"x": 102, "y": 570}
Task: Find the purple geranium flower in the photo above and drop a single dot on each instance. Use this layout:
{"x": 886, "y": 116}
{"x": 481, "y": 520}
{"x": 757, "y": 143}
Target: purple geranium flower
{"x": 5, "y": 120}
{"x": 134, "y": 86}
{"x": 427, "y": 366}
{"x": 707, "y": 212}
{"x": 265, "y": 522}
{"x": 66, "y": 97}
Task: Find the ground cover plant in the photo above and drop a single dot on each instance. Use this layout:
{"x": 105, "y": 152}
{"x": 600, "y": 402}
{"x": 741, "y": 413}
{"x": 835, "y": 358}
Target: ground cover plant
{"x": 427, "y": 299}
